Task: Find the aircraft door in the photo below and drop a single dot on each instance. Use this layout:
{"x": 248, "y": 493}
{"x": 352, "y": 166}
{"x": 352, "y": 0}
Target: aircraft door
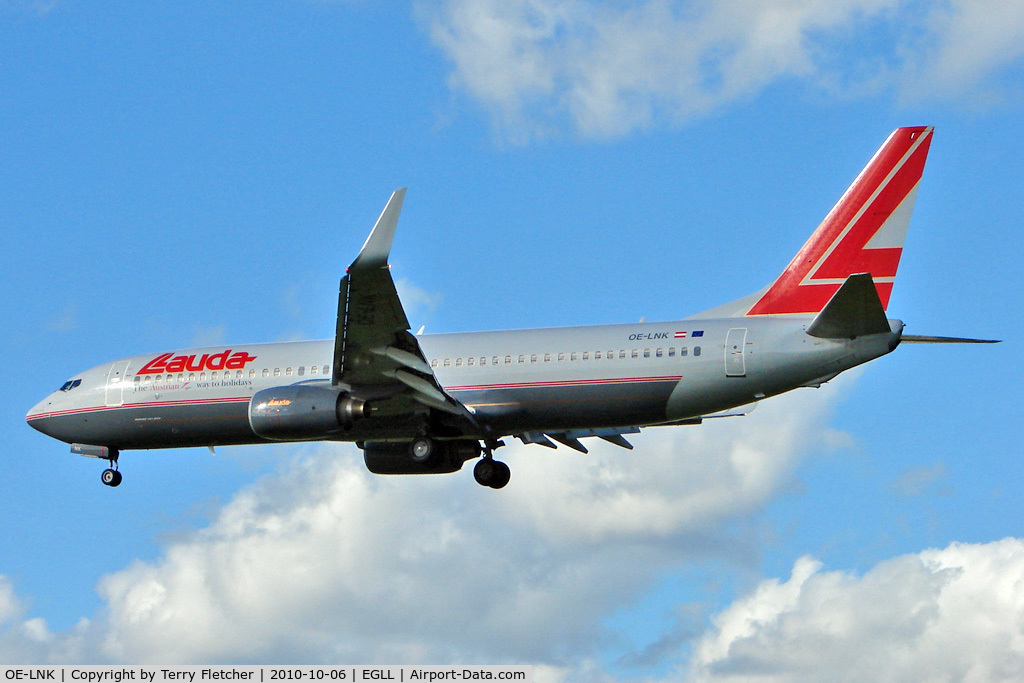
{"x": 735, "y": 352}
{"x": 116, "y": 383}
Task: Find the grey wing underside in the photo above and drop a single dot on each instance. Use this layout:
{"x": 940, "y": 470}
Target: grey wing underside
{"x": 374, "y": 352}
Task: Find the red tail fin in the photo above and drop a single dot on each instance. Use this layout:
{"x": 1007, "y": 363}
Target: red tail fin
{"x": 863, "y": 233}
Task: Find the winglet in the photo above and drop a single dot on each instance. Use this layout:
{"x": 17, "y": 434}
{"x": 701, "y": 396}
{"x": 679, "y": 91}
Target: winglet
{"x": 378, "y": 245}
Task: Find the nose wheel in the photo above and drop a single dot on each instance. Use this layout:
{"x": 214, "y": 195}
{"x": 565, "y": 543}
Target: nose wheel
{"x": 110, "y": 477}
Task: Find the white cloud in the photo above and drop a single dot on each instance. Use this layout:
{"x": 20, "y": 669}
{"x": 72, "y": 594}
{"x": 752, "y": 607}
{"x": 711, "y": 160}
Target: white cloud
{"x": 9, "y": 605}
{"x": 605, "y": 69}
{"x": 950, "y": 614}
{"x": 30, "y": 640}
{"x": 416, "y": 301}
{"x": 917, "y": 480}
{"x": 325, "y": 562}
{"x": 969, "y": 42}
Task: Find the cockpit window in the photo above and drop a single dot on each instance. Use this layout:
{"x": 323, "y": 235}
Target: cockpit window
{"x": 70, "y": 384}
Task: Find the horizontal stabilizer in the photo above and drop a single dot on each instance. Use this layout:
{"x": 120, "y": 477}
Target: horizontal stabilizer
{"x": 922, "y": 339}
{"x": 853, "y": 311}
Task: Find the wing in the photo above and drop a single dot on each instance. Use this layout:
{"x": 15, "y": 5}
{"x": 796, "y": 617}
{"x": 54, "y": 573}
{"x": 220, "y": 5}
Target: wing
{"x": 373, "y": 348}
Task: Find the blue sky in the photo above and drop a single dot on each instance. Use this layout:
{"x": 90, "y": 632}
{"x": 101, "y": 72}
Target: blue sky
{"x": 177, "y": 174}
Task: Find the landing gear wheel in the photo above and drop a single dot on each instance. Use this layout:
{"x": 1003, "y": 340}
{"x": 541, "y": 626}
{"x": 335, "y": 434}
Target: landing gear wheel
{"x": 110, "y": 477}
{"x": 501, "y": 475}
{"x": 491, "y": 472}
{"x": 422, "y": 449}
{"x": 484, "y": 471}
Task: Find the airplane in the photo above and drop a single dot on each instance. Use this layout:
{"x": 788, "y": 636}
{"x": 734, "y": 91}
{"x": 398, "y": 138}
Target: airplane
{"x": 427, "y": 404}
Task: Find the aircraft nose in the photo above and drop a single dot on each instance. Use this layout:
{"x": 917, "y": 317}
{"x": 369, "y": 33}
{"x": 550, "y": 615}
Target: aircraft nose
{"x": 39, "y": 417}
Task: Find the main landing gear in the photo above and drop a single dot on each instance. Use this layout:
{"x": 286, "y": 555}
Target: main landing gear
{"x": 491, "y": 472}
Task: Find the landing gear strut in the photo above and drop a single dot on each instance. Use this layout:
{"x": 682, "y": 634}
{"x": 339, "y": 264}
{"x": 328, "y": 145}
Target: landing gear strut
{"x": 491, "y": 472}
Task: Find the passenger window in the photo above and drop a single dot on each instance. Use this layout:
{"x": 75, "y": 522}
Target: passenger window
{"x": 622, "y": 353}
{"x": 238, "y": 375}
{"x": 634, "y": 353}
{"x": 138, "y": 381}
{"x": 547, "y": 357}
{"x": 181, "y": 377}
{"x": 586, "y": 355}
{"x": 672, "y": 352}
{"x": 458, "y": 362}
{"x": 148, "y": 379}
{"x": 469, "y": 361}
{"x": 494, "y": 361}
{"x": 277, "y": 372}
{"x": 508, "y": 360}
{"x": 573, "y": 356}
{"x": 683, "y": 351}
{"x": 533, "y": 358}
{"x": 159, "y": 378}
{"x": 302, "y": 370}
{"x": 252, "y": 374}
{"x": 202, "y": 377}
{"x": 483, "y": 360}
{"x": 647, "y": 353}
{"x": 561, "y": 357}
{"x": 266, "y": 373}
{"x": 327, "y": 370}
{"x": 447, "y": 362}
{"x": 597, "y": 355}
{"x": 522, "y": 358}
{"x": 213, "y": 376}
{"x": 696, "y": 350}
{"x": 288, "y": 372}
{"x": 657, "y": 354}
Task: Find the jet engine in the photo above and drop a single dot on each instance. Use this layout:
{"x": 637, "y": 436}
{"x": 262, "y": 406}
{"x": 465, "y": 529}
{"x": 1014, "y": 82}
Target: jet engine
{"x": 301, "y": 411}
{"x": 399, "y": 458}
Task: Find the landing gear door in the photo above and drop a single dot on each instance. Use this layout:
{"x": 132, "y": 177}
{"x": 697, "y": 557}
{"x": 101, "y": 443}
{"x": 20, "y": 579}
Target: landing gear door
{"x": 735, "y": 352}
{"x": 116, "y": 383}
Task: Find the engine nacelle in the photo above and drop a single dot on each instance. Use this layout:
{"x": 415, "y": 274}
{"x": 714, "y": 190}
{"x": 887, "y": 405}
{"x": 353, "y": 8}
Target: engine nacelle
{"x": 302, "y": 412}
{"x": 396, "y": 458}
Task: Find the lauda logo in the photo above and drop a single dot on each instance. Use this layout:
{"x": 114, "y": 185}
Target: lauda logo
{"x": 226, "y": 360}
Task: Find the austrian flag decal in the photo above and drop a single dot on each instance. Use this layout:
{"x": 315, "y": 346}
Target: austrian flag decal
{"x": 225, "y": 360}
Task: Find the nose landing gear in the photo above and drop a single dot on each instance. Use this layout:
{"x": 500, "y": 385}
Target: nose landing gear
{"x": 110, "y": 477}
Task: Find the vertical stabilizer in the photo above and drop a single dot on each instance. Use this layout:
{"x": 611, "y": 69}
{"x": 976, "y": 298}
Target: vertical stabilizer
{"x": 863, "y": 233}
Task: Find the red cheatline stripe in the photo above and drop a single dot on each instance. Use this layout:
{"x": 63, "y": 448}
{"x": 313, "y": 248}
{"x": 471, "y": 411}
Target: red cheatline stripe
{"x": 565, "y": 383}
{"x": 158, "y": 404}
